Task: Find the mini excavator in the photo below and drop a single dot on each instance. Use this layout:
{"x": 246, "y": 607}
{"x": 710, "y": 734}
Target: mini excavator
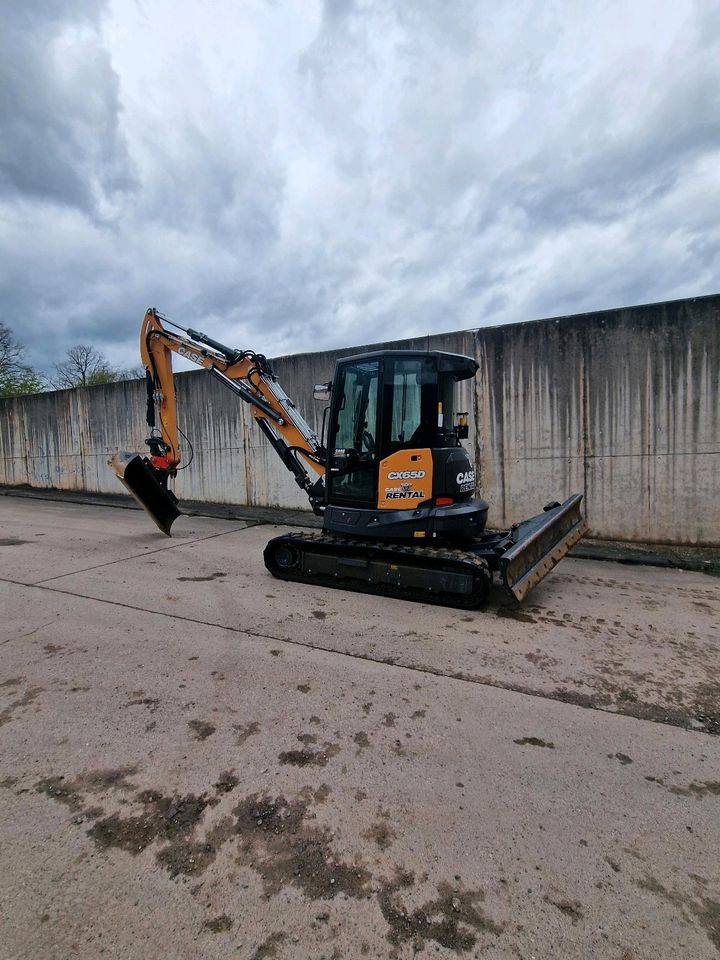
{"x": 388, "y": 475}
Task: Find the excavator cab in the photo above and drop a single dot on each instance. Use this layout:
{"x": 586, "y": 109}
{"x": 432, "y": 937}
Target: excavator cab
{"x": 395, "y": 464}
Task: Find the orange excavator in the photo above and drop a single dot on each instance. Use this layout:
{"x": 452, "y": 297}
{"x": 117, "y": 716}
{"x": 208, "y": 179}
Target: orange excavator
{"x": 388, "y": 475}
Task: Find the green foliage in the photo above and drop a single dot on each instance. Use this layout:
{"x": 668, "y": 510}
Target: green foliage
{"x": 16, "y": 378}
{"x": 21, "y": 384}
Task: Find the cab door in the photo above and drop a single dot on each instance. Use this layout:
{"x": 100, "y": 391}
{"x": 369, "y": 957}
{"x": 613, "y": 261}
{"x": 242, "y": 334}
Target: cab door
{"x": 353, "y": 440}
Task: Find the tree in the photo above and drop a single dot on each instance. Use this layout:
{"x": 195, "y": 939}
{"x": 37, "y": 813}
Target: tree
{"x": 131, "y": 373}
{"x": 16, "y": 377}
{"x": 83, "y": 366}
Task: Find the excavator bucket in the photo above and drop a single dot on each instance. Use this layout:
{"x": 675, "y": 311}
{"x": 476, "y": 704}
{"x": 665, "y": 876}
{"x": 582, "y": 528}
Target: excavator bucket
{"x": 539, "y": 544}
{"x": 140, "y": 479}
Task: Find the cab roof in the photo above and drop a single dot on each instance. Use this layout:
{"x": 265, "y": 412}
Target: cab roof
{"x": 455, "y": 364}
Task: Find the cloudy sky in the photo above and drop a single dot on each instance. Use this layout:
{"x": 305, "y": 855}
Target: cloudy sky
{"x": 299, "y": 175}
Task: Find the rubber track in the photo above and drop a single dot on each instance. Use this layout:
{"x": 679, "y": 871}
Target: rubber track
{"x": 460, "y": 560}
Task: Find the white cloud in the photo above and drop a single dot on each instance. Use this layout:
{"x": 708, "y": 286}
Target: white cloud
{"x": 298, "y": 176}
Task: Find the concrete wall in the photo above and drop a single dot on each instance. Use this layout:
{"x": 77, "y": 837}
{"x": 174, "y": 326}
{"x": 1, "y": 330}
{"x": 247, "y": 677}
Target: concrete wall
{"x": 622, "y": 405}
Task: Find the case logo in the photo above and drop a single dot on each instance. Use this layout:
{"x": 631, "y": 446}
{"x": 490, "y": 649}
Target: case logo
{"x": 466, "y": 481}
{"x": 184, "y": 352}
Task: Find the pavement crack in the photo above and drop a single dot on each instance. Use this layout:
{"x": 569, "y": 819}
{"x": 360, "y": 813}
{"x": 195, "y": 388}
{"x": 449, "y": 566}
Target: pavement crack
{"x": 137, "y": 556}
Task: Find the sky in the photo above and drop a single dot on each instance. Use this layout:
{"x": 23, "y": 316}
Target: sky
{"x": 295, "y": 176}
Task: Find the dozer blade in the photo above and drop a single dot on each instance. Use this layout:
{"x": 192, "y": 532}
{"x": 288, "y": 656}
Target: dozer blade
{"x": 139, "y": 477}
{"x": 540, "y": 543}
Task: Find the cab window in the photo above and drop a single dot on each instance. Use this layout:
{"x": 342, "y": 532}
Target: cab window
{"x": 353, "y": 458}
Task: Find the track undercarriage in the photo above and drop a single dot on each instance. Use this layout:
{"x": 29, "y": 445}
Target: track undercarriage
{"x": 440, "y": 574}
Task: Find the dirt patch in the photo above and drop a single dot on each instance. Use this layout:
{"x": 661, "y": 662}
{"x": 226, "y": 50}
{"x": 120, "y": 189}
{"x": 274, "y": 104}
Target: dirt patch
{"x": 269, "y": 947}
{"x": 515, "y": 613}
{"x": 310, "y": 758}
{"x": 72, "y": 792}
{"x": 226, "y": 782}
{"x": 213, "y": 576}
{"x": 706, "y": 707}
{"x": 279, "y": 842}
{"x": 162, "y": 819}
{"x": 705, "y": 910}
{"x": 541, "y": 660}
{"x": 100, "y": 781}
{"x": 166, "y": 819}
{"x": 319, "y": 614}
{"x": 453, "y": 920}
{"x": 417, "y": 715}
{"x": 622, "y": 757}
{"x": 220, "y": 924}
{"x": 361, "y": 739}
{"x": 703, "y": 714}
{"x": 31, "y": 694}
{"x": 303, "y": 687}
{"x": 12, "y": 682}
{"x": 321, "y": 794}
{"x": 695, "y": 789}
{"x": 534, "y": 742}
{"x": 139, "y": 700}
{"x": 202, "y": 729}
{"x": 708, "y": 915}
{"x": 307, "y": 738}
{"x": 389, "y": 719}
{"x": 189, "y": 857}
{"x": 246, "y": 731}
{"x": 381, "y": 833}
{"x": 12, "y": 542}
{"x": 51, "y": 648}
{"x": 571, "y": 908}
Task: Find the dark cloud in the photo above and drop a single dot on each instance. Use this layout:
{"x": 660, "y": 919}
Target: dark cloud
{"x": 59, "y": 138}
{"x": 300, "y": 177}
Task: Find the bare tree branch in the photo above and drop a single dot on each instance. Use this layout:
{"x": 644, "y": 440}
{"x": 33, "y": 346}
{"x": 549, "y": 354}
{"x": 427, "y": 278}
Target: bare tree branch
{"x": 83, "y": 366}
{"x": 12, "y": 354}
{"x": 16, "y": 377}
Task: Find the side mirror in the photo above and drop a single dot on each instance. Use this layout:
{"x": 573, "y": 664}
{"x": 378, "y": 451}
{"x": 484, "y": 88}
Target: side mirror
{"x": 321, "y": 391}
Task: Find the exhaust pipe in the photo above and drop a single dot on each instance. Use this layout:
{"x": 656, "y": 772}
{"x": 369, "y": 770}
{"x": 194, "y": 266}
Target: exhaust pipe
{"x": 148, "y": 486}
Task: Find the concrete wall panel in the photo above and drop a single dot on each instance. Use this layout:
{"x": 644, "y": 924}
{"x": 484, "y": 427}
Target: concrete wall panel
{"x": 622, "y": 405}
{"x": 530, "y": 402}
{"x": 653, "y": 433}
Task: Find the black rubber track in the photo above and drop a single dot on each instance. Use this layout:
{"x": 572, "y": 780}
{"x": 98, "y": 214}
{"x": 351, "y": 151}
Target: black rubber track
{"x": 283, "y": 558}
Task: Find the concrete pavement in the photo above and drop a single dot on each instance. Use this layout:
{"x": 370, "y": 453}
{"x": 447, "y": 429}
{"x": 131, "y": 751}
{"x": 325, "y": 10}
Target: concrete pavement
{"x": 200, "y": 761}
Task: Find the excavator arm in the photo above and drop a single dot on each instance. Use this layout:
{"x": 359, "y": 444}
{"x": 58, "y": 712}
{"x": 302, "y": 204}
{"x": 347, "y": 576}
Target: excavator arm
{"x": 248, "y": 375}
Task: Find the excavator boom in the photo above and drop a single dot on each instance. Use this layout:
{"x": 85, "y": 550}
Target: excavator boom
{"x": 248, "y": 375}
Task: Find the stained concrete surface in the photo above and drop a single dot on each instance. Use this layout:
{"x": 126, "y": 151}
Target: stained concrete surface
{"x": 197, "y": 760}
